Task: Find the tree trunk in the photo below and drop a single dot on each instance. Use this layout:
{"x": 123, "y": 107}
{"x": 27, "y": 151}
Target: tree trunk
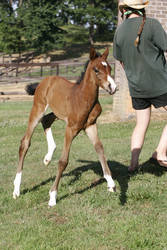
{"x": 91, "y": 33}
{"x": 11, "y": 2}
{"x": 20, "y": 3}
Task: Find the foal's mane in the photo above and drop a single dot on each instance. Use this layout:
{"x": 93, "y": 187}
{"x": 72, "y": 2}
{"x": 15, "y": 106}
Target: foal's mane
{"x": 83, "y": 73}
{"x": 85, "y": 68}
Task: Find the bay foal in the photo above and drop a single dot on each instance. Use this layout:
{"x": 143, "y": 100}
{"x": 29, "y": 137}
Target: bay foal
{"x": 78, "y": 106}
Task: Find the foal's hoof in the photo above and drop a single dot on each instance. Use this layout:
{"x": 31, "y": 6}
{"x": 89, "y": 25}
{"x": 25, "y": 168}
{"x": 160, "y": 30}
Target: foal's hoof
{"x": 112, "y": 189}
{"x": 46, "y": 162}
{"x": 51, "y": 205}
{"x": 47, "y": 159}
{"x": 15, "y": 195}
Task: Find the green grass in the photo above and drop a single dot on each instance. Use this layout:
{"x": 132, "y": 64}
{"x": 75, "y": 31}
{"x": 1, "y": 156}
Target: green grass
{"x": 86, "y": 215}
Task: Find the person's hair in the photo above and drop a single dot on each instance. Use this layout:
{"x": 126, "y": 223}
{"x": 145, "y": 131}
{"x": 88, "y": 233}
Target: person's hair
{"x": 140, "y": 12}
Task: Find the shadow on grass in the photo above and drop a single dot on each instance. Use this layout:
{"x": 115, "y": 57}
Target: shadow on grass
{"x": 119, "y": 173}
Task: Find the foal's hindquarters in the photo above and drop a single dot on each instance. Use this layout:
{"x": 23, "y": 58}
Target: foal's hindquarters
{"x": 79, "y": 107}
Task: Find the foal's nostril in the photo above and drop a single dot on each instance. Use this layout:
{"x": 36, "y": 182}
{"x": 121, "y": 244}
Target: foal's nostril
{"x": 110, "y": 87}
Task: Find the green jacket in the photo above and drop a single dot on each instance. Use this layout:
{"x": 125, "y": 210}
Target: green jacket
{"x": 145, "y": 66}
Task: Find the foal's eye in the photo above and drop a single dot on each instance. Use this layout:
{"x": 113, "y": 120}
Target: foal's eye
{"x": 96, "y": 70}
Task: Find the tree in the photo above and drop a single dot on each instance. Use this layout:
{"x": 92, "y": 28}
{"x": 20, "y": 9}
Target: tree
{"x": 97, "y": 15}
{"x": 10, "y": 32}
{"x": 30, "y": 24}
{"x": 36, "y": 24}
{"x": 41, "y": 24}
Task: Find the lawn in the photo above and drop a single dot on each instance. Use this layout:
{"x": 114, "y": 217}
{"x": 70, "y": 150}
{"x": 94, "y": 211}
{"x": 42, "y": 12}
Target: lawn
{"x": 86, "y": 216}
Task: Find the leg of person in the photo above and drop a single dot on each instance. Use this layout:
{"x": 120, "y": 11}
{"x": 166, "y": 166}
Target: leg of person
{"x": 161, "y": 150}
{"x": 138, "y": 135}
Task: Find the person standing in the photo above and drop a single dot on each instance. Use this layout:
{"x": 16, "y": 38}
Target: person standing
{"x": 139, "y": 44}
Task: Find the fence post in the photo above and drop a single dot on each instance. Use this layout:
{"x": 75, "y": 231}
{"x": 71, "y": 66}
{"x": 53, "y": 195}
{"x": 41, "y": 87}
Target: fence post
{"x": 41, "y": 70}
{"x": 17, "y": 70}
{"x": 51, "y": 70}
{"x": 57, "y": 69}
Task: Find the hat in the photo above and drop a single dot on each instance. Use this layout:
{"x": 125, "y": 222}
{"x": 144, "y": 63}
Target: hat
{"x": 134, "y": 4}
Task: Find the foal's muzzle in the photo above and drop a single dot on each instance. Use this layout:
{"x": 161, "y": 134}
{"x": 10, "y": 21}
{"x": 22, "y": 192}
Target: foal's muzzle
{"x": 112, "y": 90}
{"x": 110, "y": 86}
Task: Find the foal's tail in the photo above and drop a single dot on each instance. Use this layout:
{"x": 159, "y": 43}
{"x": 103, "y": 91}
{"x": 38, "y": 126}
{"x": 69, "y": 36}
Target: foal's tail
{"x": 30, "y": 88}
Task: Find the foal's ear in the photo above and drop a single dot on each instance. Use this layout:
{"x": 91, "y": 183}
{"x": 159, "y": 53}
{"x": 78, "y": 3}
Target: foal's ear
{"x": 93, "y": 54}
{"x": 105, "y": 54}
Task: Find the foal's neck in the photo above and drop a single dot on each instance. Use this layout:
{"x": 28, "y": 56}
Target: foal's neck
{"x": 89, "y": 89}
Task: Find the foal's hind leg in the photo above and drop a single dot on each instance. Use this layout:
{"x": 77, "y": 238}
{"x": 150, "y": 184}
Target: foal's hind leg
{"x": 91, "y": 131}
{"x": 35, "y": 116}
{"x": 47, "y": 121}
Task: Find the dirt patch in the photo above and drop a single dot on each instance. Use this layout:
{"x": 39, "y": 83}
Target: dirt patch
{"x": 109, "y": 117}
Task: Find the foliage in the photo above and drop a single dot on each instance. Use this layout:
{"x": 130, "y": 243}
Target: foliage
{"x": 10, "y": 30}
{"x": 42, "y": 24}
{"x": 98, "y": 15}
{"x": 33, "y": 25}
{"x": 37, "y": 24}
{"x": 86, "y": 215}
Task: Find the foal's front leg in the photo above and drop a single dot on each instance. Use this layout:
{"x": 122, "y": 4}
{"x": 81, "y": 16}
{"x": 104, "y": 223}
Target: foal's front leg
{"x": 92, "y": 133}
{"x": 62, "y": 164}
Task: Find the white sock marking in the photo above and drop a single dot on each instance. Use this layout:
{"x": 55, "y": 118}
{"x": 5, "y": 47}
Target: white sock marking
{"x": 51, "y": 146}
{"x": 17, "y": 182}
{"x": 110, "y": 183}
{"x": 111, "y": 81}
{"x": 52, "y": 201}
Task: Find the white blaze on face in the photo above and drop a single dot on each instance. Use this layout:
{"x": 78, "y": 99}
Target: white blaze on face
{"x": 104, "y": 64}
{"x": 112, "y": 83}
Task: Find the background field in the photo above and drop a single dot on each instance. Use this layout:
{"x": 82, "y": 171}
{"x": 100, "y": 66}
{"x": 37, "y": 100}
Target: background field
{"x": 86, "y": 215}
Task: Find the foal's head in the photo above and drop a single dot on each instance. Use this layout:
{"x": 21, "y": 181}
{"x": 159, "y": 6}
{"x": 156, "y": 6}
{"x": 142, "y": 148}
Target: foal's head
{"x": 102, "y": 71}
